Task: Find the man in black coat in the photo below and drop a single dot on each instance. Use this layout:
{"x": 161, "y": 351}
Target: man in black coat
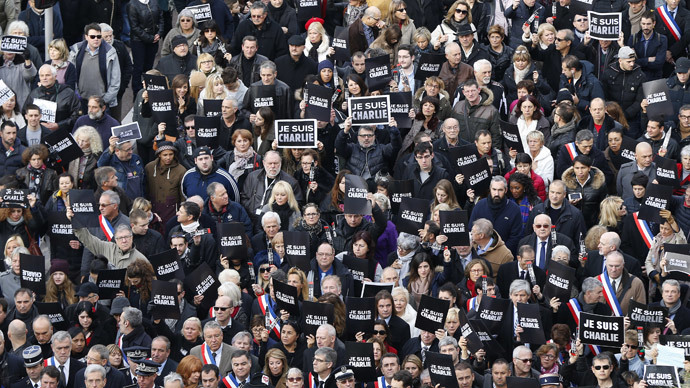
{"x": 567, "y": 218}
{"x": 594, "y": 265}
{"x": 147, "y": 241}
{"x": 295, "y": 66}
{"x": 622, "y": 82}
{"x": 425, "y": 342}
{"x": 583, "y": 145}
{"x": 541, "y": 240}
{"x": 180, "y": 61}
{"x": 98, "y": 355}
{"x": 68, "y": 366}
{"x": 519, "y": 269}
{"x": 384, "y": 308}
{"x": 677, "y": 313}
{"x": 160, "y": 353}
{"x": 325, "y": 338}
{"x": 270, "y": 37}
{"x": 424, "y": 166}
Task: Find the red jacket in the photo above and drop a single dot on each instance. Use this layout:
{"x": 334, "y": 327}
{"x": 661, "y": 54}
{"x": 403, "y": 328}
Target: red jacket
{"x": 536, "y": 179}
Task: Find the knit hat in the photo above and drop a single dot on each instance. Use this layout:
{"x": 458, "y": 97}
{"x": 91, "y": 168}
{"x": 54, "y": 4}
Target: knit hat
{"x": 165, "y": 145}
{"x": 325, "y": 64}
{"x": 59, "y": 265}
{"x": 118, "y": 305}
{"x": 197, "y": 79}
{"x": 564, "y": 95}
{"x": 178, "y": 40}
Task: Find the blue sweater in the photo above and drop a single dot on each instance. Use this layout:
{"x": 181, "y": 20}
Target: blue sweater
{"x": 507, "y": 223}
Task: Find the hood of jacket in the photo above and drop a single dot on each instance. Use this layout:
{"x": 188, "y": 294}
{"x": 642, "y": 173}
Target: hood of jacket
{"x": 487, "y": 96}
{"x": 323, "y": 46}
{"x": 596, "y": 178}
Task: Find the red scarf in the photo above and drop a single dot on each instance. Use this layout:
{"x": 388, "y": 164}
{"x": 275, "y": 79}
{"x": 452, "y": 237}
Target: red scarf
{"x": 472, "y": 286}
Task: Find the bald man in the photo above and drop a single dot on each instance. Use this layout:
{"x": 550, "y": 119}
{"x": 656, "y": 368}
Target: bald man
{"x": 541, "y": 240}
{"x": 609, "y": 242}
{"x": 643, "y": 162}
{"x": 363, "y": 32}
{"x": 16, "y": 333}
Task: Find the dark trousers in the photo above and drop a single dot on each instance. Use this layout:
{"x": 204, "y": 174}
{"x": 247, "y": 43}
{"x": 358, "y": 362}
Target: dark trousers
{"x": 143, "y": 54}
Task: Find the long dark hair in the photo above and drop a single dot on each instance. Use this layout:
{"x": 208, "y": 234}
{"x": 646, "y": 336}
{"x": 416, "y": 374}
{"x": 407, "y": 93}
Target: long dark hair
{"x": 433, "y": 121}
{"x": 269, "y": 117}
{"x": 336, "y": 197}
{"x": 363, "y": 89}
{"x": 209, "y": 24}
{"x": 417, "y": 260}
{"x": 528, "y": 184}
{"x": 537, "y": 107}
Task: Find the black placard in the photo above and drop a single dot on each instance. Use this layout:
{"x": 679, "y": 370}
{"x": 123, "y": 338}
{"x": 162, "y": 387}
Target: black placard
{"x": 110, "y": 282}
{"x": 163, "y": 107}
{"x": 661, "y": 376}
{"x": 431, "y": 313}
{"x": 297, "y": 249}
{"x": 155, "y": 82}
{"x": 644, "y": 315}
{"x": 286, "y": 297}
{"x": 559, "y": 281}
{"x": 5, "y": 92}
{"x": 530, "y": 321}
{"x": 580, "y": 7}
{"x": 658, "y": 97}
{"x": 401, "y": 103}
{"x": 315, "y": 314}
{"x": 166, "y": 265}
{"x": 429, "y": 66}
{"x": 677, "y": 341}
{"x": 307, "y": 9}
{"x": 341, "y": 45}
{"x": 55, "y": 313}
{"x": 657, "y": 197}
{"x": 232, "y": 241}
{"x": 454, "y": 226}
{"x": 677, "y": 258}
{"x": 201, "y": 12}
{"x": 264, "y": 96}
{"x": 413, "y": 213}
{"x": 378, "y": 70}
{"x": 511, "y": 136}
{"x": 62, "y": 143}
{"x": 474, "y": 343}
{"x": 399, "y": 190}
{"x": 462, "y": 156}
{"x": 369, "y": 290}
{"x": 202, "y": 281}
{"x": 127, "y": 132}
{"x": 33, "y": 273}
{"x": 207, "y": 131}
{"x": 491, "y": 311}
{"x": 492, "y": 347}
{"x": 318, "y": 102}
{"x": 372, "y": 110}
{"x": 477, "y": 176}
{"x": 13, "y": 44}
{"x": 212, "y": 108}
{"x": 601, "y": 330}
{"x": 60, "y": 228}
{"x": 604, "y": 26}
{"x": 164, "y": 303}
{"x": 441, "y": 369}
{"x": 666, "y": 171}
{"x": 361, "y": 313}
{"x": 360, "y": 269}
{"x": 85, "y": 208}
{"x": 14, "y": 198}
{"x": 360, "y": 357}
{"x": 297, "y": 133}
{"x": 356, "y": 190}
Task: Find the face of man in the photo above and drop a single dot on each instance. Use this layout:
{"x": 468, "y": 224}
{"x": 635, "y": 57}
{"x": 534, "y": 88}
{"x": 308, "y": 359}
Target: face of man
{"x": 209, "y": 379}
{"x": 389, "y": 366}
{"x": 272, "y": 165}
{"x": 228, "y": 109}
{"x": 62, "y": 350}
{"x": 454, "y": 56}
{"x": 593, "y": 296}
{"x": 34, "y": 372}
{"x": 220, "y": 197}
{"x": 654, "y": 130}
{"x": 94, "y": 39}
{"x": 561, "y": 44}
{"x": 542, "y": 226}
{"x": 471, "y": 93}
{"x": 124, "y": 240}
{"x": 159, "y": 351}
{"x": 601, "y": 369}
{"x": 353, "y": 220}
{"x": 323, "y": 339}
{"x": 373, "y": 19}
{"x": 498, "y": 191}
{"x": 213, "y": 338}
{"x": 484, "y": 74}
{"x": 23, "y": 302}
{"x": 465, "y": 378}
{"x": 49, "y": 382}
{"x": 500, "y": 373}
{"x": 241, "y": 367}
{"x": 385, "y": 308}
{"x": 358, "y": 64}
{"x": 9, "y": 135}
{"x": 296, "y": 51}
{"x": 94, "y": 110}
{"x": 249, "y": 49}
{"x": 329, "y": 286}
{"x": 271, "y": 227}
{"x": 425, "y": 160}
{"x": 179, "y": 244}
{"x": 670, "y": 294}
{"x": 222, "y": 309}
{"x": 146, "y": 381}
{"x": 585, "y": 146}
{"x": 93, "y": 358}
{"x": 626, "y": 64}
{"x": 365, "y": 137}
{"x": 644, "y": 155}
{"x": 405, "y": 59}
{"x": 268, "y": 76}
{"x": 605, "y": 246}
{"x": 181, "y": 50}
{"x": 94, "y": 380}
{"x": 614, "y": 266}
{"x": 527, "y": 257}
{"x": 324, "y": 256}
{"x": 483, "y": 144}
{"x": 636, "y": 7}
{"x": 204, "y": 163}
{"x": 46, "y": 77}
{"x": 598, "y": 110}
{"x": 520, "y": 296}
{"x": 450, "y": 349}
{"x": 390, "y": 277}
{"x": 466, "y": 41}
{"x": 320, "y": 365}
{"x": 427, "y": 337}
{"x": 43, "y": 331}
{"x": 33, "y": 118}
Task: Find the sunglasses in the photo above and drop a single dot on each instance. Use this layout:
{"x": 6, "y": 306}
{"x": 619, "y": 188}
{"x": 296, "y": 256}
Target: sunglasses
{"x": 460, "y": 11}
{"x": 95, "y": 36}
{"x": 633, "y": 347}
{"x": 217, "y": 308}
{"x": 559, "y": 40}
{"x": 402, "y": 10}
{"x": 188, "y": 127}
{"x": 380, "y": 332}
{"x": 542, "y": 226}
{"x": 605, "y": 367}
{"x": 294, "y": 379}
{"x": 525, "y": 360}
{"x": 262, "y": 270}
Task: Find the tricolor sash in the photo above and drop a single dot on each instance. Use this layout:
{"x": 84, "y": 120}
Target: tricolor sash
{"x": 230, "y": 381}
{"x": 669, "y": 21}
{"x": 313, "y": 381}
{"x": 50, "y": 362}
{"x": 106, "y": 227}
{"x": 610, "y": 294}
{"x": 572, "y": 150}
{"x": 125, "y": 362}
{"x": 575, "y": 309}
{"x": 644, "y": 229}
{"x": 472, "y": 304}
{"x": 381, "y": 382}
{"x": 271, "y": 317}
{"x": 207, "y": 355}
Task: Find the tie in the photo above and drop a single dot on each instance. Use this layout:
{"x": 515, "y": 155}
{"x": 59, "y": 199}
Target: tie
{"x": 424, "y": 350}
{"x": 522, "y": 274}
{"x": 320, "y": 384}
{"x": 35, "y": 385}
{"x": 63, "y": 379}
{"x": 542, "y": 255}
{"x": 214, "y": 356}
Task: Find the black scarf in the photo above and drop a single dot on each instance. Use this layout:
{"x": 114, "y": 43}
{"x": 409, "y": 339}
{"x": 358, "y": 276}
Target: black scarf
{"x": 35, "y": 177}
{"x": 314, "y": 51}
{"x": 276, "y": 13}
{"x": 284, "y": 211}
{"x": 496, "y": 207}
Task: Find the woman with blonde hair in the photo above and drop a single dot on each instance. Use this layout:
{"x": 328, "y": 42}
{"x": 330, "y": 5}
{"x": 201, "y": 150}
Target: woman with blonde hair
{"x": 114, "y": 356}
{"x": 25, "y": 222}
{"x": 523, "y": 68}
{"x": 59, "y": 288}
{"x": 283, "y": 202}
{"x": 397, "y": 15}
{"x": 215, "y": 90}
{"x": 192, "y": 335}
{"x": 66, "y": 71}
{"x": 447, "y": 32}
{"x": 190, "y": 370}
{"x": 317, "y": 46}
{"x": 12, "y": 243}
{"x": 297, "y": 279}
{"x": 611, "y": 213}
{"x": 155, "y": 221}
{"x": 82, "y": 169}
{"x": 546, "y": 34}
{"x": 403, "y": 309}
{"x": 276, "y": 367}
{"x": 207, "y": 65}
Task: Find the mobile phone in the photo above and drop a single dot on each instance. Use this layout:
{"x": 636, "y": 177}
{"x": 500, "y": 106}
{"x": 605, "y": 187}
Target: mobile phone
{"x": 574, "y": 196}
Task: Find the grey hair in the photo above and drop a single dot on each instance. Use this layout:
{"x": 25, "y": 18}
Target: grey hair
{"x": 267, "y": 64}
{"x": 485, "y": 226}
{"x": 671, "y": 283}
{"x": 105, "y": 27}
{"x": 102, "y": 351}
{"x": 614, "y": 239}
{"x": 211, "y": 188}
{"x": 685, "y": 151}
{"x": 114, "y": 198}
{"x": 232, "y": 291}
{"x": 18, "y": 25}
{"x": 498, "y": 178}
{"x": 212, "y": 325}
{"x": 482, "y": 62}
{"x": 371, "y": 11}
{"x": 560, "y": 249}
{"x": 164, "y": 339}
{"x": 294, "y": 371}
{"x": 383, "y": 201}
{"x": 329, "y": 329}
{"x": 520, "y": 285}
{"x": 520, "y": 349}
{"x": 240, "y": 335}
{"x": 94, "y": 138}
{"x": 450, "y": 46}
{"x": 328, "y": 354}
{"x": 449, "y": 120}
{"x": 544, "y": 215}
{"x": 60, "y": 336}
{"x": 569, "y": 34}
{"x": 259, "y": 5}
{"x": 269, "y": 215}
{"x": 425, "y": 374}
{"x": 408, "y": 241}
{"x": 402, "y": 291}
{"x": 233, "y": 100}
{"x": 448, "y": 340}
{"x": 19, "y": 250}
{"x": 133, "y": 315}
{"x": 94, "y": 368}
{"x": 561, "y": 183}
{"x": 591, "y": 284}
{"x": 42, "y": 317}
{"x": 584, "y": 135}
{"x": 174, "y": 377}
{"x": 120, "y": 145}
{"x": 535, "y": 135}
{"x": 124, "y": 227}
{"x": 53, "y": 70}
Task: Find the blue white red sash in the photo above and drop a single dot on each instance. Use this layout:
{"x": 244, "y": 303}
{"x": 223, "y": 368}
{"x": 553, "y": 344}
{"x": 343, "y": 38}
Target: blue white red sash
{"x": 381, "y": 382}
{"x": 207, "y": 355}
{"x": 610, "y": 294}
{"x": 267, "y": 310}
{"x": 230, "y": 381}
{"x": 125, "y": 362}
{"x": 313, "y": 381}
{"x": 472, "y": 304}
{"x": 50, "y": 362}
{"x": 669, "y": 21}
{"x": 644, "y": 229}
{"x": 575, "y": 309}
{"x": 572, "y": 150}
{"x": 106, "y": 227}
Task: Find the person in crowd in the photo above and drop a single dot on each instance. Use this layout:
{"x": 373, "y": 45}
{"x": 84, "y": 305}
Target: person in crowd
{"x": 95, "y": 109}
{"x": 66, "y": 72}
{"x": 50, "y": 90}
{"x": 186, "y": 26}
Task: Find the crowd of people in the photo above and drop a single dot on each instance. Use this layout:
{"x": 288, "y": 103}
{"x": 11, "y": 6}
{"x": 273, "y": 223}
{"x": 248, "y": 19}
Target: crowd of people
{"x": 570, "y": 192}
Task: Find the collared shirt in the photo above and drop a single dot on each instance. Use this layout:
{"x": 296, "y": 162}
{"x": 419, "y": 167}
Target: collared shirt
{"x": 66, "y": 370}
{"x": 218, "y": 352}
{"x": 160, "y": 370}
{"x": 481, "y": 250}
{"x": 323, "y": 274}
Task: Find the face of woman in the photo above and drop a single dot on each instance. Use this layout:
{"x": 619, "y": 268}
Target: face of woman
{"x": 523, "y": 168}
{"x": 452, "y": 325}
{"x": 622, "y": 211}
{"x": 360, "y": 249}
{"x": 58, "y": 277}
{"x": 53, "y": 53}
{"x": 476, "y": 272}
{"x": 311, "y": 215}
{"x": 11, "y": 246}
{"x": 85, "y": 320}
{"x": 428, "y": 109}
{"x": 326, "y": 74}
{"x": 194, "y": 377}
{"x": 78, "y": 343}
{"x": 264, "y": 272}
{"x": 423, "y": 269}
{"x": 190, "y": 331}
{"x": 548, "y": 359}
{"x": 277, "y": 3}
{"x": 36, "y": 161}
{"x": 520, "y": 64}
{"x": 666, "y": 230}
{"x": 615, "y": 140}
{"x": 441, "y": 196}
{"x": 294, "y": 280}
{"x": 206, "y": 67}
{"x": 653, "y": 336}
{"x": 495, "y": 40}
{"x": 242, "y": 144}
{"x": 9, "y": 105}
{"x": 210, "y": 34}
{"x": 548, "y": 37}
{"x": 65, "y": 184}
{"x": 182, "y": 90}
{"x": 294, "y": 381}
{"x": 218, "y": 88}
{"x": 422, "y": 43}
{"x": 685, "y": 161}
{"x": 115, "y": 358}
{"x": 517, "y": 190}
{"x": 84, "y": 142}
{"x": 435, "y": 216}
{"x": 527, "y": 109}
{"x": 281, "y": 197}
{"x": 275, "y": 365}
{"x": 377, "y": 351}
{"x": 280, "y": 249}
{"x": 534, "y": 145}
{"x": 314, "y": 36}
{"x": 15, "y": 264}
{"x": 341, "y": 185}
{"x": 288, "y": 335}
{"x": 353, "y": 87}
{"x": 259, "y": 121}
{"x": 16, "y": 214}
{"x": 460, "y": 13}
{"x": 412, "y": 368}
{"x": 400, "y": 303}
{"x": 296, "y": 153}
{"x": 378, "y": 329}
{"x": 135, "y": 281}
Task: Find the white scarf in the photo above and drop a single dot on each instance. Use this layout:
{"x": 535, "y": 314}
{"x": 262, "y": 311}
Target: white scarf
{"x": 190, "y": 227}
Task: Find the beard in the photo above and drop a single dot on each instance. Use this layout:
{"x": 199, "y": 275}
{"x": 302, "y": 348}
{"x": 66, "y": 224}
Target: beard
{"x": 496, "y": 199}
{"x": 96, "y": 116}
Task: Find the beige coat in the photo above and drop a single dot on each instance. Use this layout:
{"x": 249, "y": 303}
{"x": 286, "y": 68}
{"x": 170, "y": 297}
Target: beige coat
{"x": 107, "y": 249}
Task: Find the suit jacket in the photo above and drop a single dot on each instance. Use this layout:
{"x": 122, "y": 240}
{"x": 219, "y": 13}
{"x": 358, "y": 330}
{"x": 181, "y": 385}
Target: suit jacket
{"x": 308, "y": 357}
{"x": 114, "y": 379}
{"x": 228, "y": 332}
{"x": 74, "y": 367}
{"x": 358, "y": 41}
{"x": 225, "y": 361}
{"x": 676, "y": 47}
{"x": 414, "y": 346}
{"x": 506, "y": 334}
{"x": 681, "y": 319}
{"x": 170, "y": 366}
{"x": 595, "y": 264}
{"x": 561, "y": 239}
{"x": 509, "y": 271}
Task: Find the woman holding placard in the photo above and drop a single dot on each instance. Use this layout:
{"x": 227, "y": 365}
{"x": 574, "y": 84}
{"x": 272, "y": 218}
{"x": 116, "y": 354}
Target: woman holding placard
{"x": 35, "y": 175}
{"x": 215, "y": 90}
{"x": 83, "y": 168}
{"x": 12, "y": 112}
{"x": 669, "y": 233}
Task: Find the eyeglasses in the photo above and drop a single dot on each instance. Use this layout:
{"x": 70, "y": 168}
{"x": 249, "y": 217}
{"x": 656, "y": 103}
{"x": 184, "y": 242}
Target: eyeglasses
{"x": 684, "y": 117}
{"x": 311, "y": 214}
{"x": 127, "y": 150}
{"x": 95, "y": 36}
{"x": 209, "y": 30}
{"x": 262, "y": 270}
{"x": 461, "y": 11}
{"x": 294, "y": 379}
{"x": 477, "y": 270}
{"x": 580, "y": 20}
{"x": 104, "y": 205}
{"x": 218, "y": 308}
{"x": 186, "y": 20}
{"x": 123, "y": 238}
{"x": 525, "y": 360}
{"x": 544, "y": 226}
{"x": 366, "y": 135}
{"x": 318, "y": 360}
{"x": 402, "y": 10}
{"x": 548, "y": 356}
{"x": 379, "y": 332}
{"x": 258, "y": 16}
{"x": 559, "y": 40}
{"x": 188, "y": 127}
{"x": 599, "y": 367}
{"x": 206, "y": 62}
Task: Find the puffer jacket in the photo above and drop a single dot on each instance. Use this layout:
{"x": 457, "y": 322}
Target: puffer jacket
{"x": 561, "y": 136}
{"x": 480, "y": 116}
{"x": 68, "y": 104}
{"x": 163, "y": 186}
{"x": 374, "y": 158}
{"x": 145, "y": 20}
{"x": 500, "y": 62}
{"x": 11, "y": 160}
{"x": 587, "y": 87}
{"x": 342, "y": 241}
{"x": 593, "y": 192}
{"x": 444, "y": 106}
{"x": 624, "y": 87}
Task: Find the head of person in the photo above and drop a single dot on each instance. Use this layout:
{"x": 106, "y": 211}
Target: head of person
{"x": 95, "y": 376}
{"x": 564, "y": 40}
{"x": 592, "y": 290}
{"x": 385, "y": 306}
{"x": 615, "y": 264}
{"x": 584, "y": 140}
{"x": 96, "y": 108}
{"x": 272, "y": 164}
{"x": 190, "y": 370}
{"x": 390, "y": 364}
{"x": 670, "y": 292}
{"x": 601, "y": 367}
{"x": 34, "y": 156}
{"x": 107, "y": 33}
{"x": 93, "y": 36}
{"x": 23, "y": 297}
{"x": 8, "y": 133}
{"x": 453, "y": 54}
{"x": 210, "y": 376}
{"x": 270, "y": 223}
{"x": 483, "y": 142}
{"x": 43, "y": 329}
{"x": 482, "y": 231}
{"x": 498, "y": 188}
{"x": 88, "y": 139}
{"x": 500, "y": 371}
{"x": 61, "y": 343}
{"x": 608, "y": 242}
{"x": 324, "y": 360}
{"x": 571, "y": 66}
{"x": 522, "y": 359}
{"x": 47, "y": 76}
{"x": 175, "y": 380}
{"x": 371, "y": 16}
{"x": 268, "y": 72}
{"x": 471, "y": 89}
{"x": 520, "y": 291}
{"x": 366, "y": 136}
{"x": 464, "y": 375}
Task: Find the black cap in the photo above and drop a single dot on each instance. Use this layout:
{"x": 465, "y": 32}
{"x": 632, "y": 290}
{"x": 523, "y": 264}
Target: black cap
{"x": 682, "y": 65}
{"x": 147, "y": 367}
{"x": 32, "y": 356}
{"x": 465, "y": 29}
{"x": 296, "y": 40}
{"x": 137, "y": 353}
{"x": 202, "y": 151}
{"x": 87, "y": 288}
{"x": 178, "y": 40}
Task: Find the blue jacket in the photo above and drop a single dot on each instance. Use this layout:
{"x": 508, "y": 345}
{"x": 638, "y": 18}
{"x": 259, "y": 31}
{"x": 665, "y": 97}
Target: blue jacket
{"x": 10, "y": 163}
{"x": 36, "y": 23}
{"x": 655, "y": 48}
{"x": 130, "y": 174}
{"x": 587, "y": 88}
{"x": 195, "y": 183}
{"x": 233, "y": 212}
{"x": 519, "y": 17}
{"x": 507, "y": 223}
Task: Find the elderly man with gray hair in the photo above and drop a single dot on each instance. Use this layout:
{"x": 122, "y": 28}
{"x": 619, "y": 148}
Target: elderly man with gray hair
{"x": 98, "y": 356}
{"x": 489, "y": 245}
{"x": 326, "y": 341}
{"x": 49, "y": 89}
{"x": 61, "y": 343}
{"x": 590, "y": 300}
{"x": 129, "y": 167}
{"x": 284, "y": 105}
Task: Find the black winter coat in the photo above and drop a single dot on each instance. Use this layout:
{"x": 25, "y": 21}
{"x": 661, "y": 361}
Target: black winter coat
{"x": 271, "y": 40}
{"x": 542, "y": 90}
{"x": 500, "y": 62}
{"x": 172, "y": 65}
{"x": 624, "y": 87}
{"x": 593, "y": 192}
{"x": 68, "y": 104}
{"x": 145, "y": 21}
